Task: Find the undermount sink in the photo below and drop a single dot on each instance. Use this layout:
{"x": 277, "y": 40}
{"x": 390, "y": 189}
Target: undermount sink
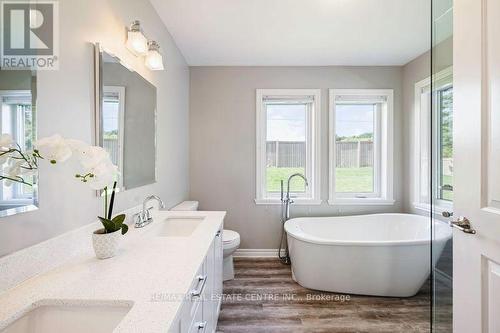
{"x": 178, "y": 226}
{"x": 70, "y": 318}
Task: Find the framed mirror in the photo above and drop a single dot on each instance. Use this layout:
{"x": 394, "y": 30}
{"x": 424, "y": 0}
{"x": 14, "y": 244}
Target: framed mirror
{"x": 18, "y": 93}
{"x": 125, "y": 119}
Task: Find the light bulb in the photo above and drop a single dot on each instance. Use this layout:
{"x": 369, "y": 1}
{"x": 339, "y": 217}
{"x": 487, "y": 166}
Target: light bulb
{"x": 154, "y": 59}
{"x": 137, "y": 43}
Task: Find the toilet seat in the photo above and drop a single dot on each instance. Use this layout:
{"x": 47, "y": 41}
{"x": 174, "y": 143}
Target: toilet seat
{"x": 230, "y": 238}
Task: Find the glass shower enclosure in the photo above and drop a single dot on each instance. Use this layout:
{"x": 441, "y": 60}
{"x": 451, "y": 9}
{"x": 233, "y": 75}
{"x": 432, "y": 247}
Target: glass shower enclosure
{"x": 441, "y": 162}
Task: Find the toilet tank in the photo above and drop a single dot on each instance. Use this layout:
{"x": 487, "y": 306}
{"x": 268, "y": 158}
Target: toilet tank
{"x": 186, "y": 205}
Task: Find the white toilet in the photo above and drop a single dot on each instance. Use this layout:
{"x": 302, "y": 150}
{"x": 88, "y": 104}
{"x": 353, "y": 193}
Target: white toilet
{"x": 230, "y": 240}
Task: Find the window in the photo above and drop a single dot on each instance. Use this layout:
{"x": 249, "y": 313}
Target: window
{"x": 435, "y": 155}
{"x": 445, "y": 143}
{"x": 17, "y": 120}
{"x": 287, "y": 143}
{"x": 361, "y": 146}
{"x": 113, "y": 125}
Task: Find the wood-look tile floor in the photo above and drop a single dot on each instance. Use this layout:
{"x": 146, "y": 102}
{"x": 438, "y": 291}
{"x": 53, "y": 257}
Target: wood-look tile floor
{"x": 264, "y": 298}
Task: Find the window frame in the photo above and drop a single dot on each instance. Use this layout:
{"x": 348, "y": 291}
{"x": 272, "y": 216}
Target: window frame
{"x": 441, "y": 81}
{"x": 313, "y": 146}
{"x": 120, "y": 91}
{"x": 383, "y": 147}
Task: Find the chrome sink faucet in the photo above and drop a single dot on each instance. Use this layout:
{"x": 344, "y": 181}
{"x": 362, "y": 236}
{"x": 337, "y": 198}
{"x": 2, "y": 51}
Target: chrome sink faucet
{"x": 143, "y": 218}
{"x": 287, "y": 201}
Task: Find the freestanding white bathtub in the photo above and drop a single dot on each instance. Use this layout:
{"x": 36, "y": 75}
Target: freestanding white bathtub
{"x": 379, "y": 254}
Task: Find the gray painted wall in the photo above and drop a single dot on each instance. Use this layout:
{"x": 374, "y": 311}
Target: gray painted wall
{"x": 66, "y": 105}
{"x": 222, "y": 141}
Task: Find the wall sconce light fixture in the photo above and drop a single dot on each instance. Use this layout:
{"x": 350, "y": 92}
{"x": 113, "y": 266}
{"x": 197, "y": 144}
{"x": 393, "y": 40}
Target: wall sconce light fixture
{"x": 137, "y": 43}
{"x": 154, "y": 59}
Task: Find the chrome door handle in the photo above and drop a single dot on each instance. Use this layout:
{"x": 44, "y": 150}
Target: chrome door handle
{"x": 462, "y": 224}
{"x": 202, "y": 279}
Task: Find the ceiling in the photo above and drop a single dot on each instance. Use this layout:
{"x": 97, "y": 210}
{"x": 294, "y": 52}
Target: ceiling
{"x": 297, "y": 32}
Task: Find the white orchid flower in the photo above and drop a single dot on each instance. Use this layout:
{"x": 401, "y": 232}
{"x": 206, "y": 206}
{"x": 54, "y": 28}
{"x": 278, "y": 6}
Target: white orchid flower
{"x": 76, "y": 145}
{"x": 54, "y": 148}
{"x": 6, "y": 142}
{"x": 103, "y": 174}
{"x": 13, "y": 170}
{"x": 91, "y": 156}
{"x": 98, "y": 169}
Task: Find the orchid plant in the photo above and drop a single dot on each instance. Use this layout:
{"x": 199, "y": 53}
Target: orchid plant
{"x": 95, "y": 168}
{"x": 19, "y": 165}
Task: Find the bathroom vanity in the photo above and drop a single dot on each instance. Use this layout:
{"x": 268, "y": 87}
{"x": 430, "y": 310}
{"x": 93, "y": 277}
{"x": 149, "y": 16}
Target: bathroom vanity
{"x": 200, "y": 309}
{"x": 166, "y": 278}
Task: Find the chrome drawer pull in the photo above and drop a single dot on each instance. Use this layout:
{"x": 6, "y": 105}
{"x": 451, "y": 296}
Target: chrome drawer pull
{"x": 202, "y": 326}
{"x": 202, "y": 280}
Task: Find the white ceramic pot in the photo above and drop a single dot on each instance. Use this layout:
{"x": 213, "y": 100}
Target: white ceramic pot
{"x": 106, "y": 245}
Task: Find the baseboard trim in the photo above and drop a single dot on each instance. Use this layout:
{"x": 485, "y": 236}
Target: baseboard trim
{"x": 256, "y": 253}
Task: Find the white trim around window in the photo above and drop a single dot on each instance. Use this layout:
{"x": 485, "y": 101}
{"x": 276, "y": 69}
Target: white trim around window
{"x": 441, "y": 80}
{"x": 312, "y": 97}
{"x": 383, "y": 164}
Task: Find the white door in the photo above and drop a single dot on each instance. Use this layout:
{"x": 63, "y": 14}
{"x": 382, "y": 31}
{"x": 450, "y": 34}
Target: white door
{"x": 476, "y": 257}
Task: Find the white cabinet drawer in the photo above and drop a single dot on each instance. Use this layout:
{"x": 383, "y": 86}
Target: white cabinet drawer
{"x": 198, "y": 325}
{"x": 208, "y": 313}
{"x": 192, "y": 305}
{"x": 198, "y": 292}
{"x": 200, "y": 309}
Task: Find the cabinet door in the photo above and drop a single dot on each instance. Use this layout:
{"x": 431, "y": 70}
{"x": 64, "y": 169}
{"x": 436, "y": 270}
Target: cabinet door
{"x": 191, "y": 309}
{"x": 218, "y": 266}
{"x": 208, "y": 294}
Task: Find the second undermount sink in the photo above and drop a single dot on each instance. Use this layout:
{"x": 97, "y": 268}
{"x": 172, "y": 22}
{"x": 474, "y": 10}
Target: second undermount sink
{"x": 69, "y": 318}
{"x": 178, "y": 226}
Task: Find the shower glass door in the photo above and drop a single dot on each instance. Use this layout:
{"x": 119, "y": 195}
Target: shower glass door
{"x": 441, "y": 174}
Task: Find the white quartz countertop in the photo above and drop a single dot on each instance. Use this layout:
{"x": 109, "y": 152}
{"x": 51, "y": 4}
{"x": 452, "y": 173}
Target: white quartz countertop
{"x": 149, "y": 272}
